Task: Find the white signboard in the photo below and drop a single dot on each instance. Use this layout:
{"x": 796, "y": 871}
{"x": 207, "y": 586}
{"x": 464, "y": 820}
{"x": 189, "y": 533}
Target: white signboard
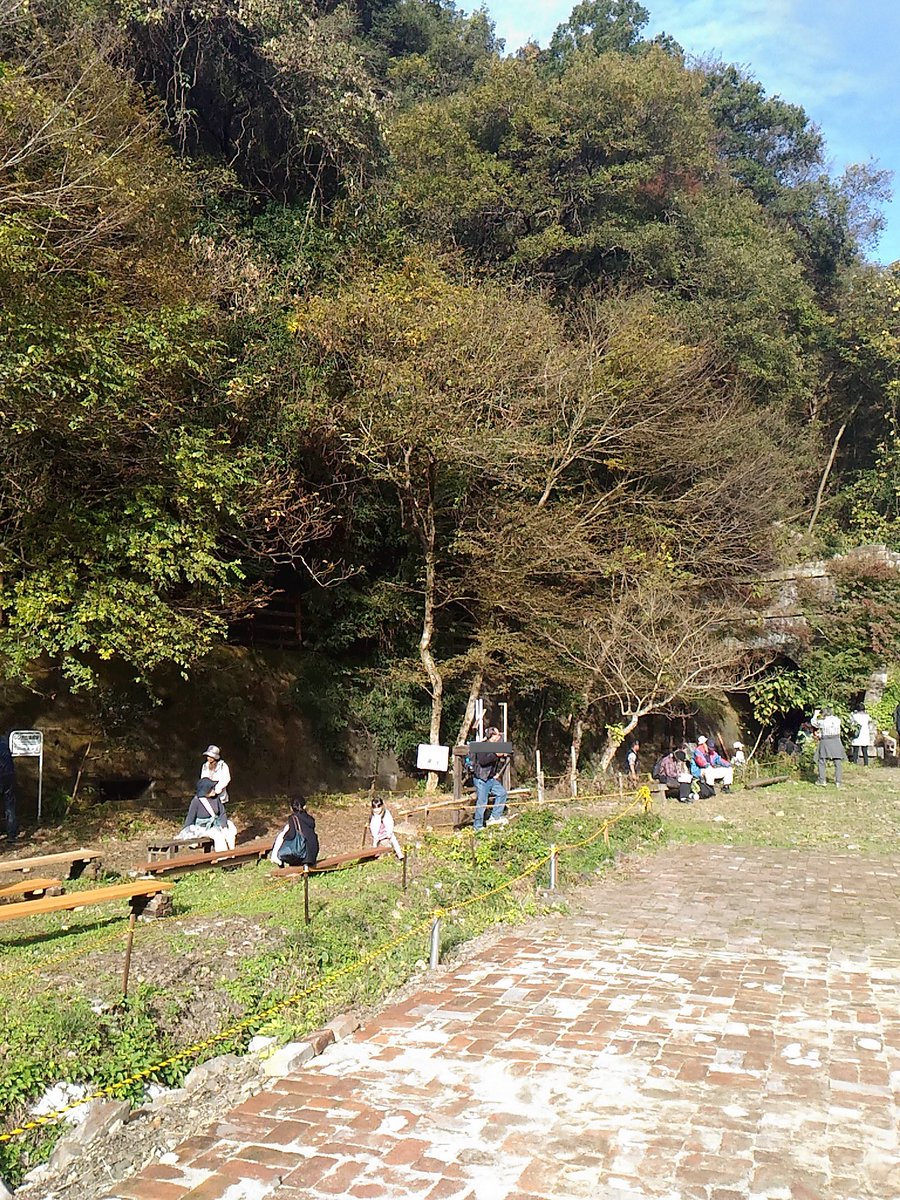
{"x": 26, "y": 743}
{"x": 29, "y": 743}
{"x": 433, "y": 758}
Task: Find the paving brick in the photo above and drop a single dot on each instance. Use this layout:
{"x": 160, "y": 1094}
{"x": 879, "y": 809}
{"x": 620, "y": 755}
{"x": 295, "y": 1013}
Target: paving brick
{"x": 719, "y": 1021}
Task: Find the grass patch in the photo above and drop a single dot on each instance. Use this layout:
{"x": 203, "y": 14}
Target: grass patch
{"x": 863, "y": 816}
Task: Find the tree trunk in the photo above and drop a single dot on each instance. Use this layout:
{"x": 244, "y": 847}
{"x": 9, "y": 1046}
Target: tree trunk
{"x": 469, "y": 714}
{"x": 611, "y": 746}
{"x": 435, "y": 678}
{"x": 577, "y": 724}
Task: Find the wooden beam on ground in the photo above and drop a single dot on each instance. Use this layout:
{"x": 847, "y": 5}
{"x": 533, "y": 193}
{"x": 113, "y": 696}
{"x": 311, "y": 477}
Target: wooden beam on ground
{"x": 336, "y": 861}
{"x": 140, "y": 889}
{"x": 246, "y": 852}
{"x": 766, "y": 781}
{"x": 29, "y": 888}
{"x": 76, "y": 859}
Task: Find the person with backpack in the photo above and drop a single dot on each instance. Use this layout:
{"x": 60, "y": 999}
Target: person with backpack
{"x": 486, "y": 771}
{"x": 381, "y": 826}
{"x": 206, "y": 815}
{"x": 298, "y": 844}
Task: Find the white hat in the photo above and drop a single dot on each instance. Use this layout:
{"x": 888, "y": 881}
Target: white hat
{"x": 738, "y": 745}
{"x": 701, "y": 740}
{"x": 212, "y": 752}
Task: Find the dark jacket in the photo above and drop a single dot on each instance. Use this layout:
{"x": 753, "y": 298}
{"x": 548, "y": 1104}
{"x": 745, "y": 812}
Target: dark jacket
{"x": 306, "y": 824}
{"x": 6, "y": 760}
{"x": 488, "y": 766}
{"x": 198, "y": 810}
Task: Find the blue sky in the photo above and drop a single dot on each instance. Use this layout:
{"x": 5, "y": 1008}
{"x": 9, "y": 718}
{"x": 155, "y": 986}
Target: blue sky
{"x": 840, "y": 60}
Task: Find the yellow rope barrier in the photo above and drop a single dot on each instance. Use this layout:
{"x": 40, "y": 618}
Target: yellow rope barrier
{"x": 642, "y": 799}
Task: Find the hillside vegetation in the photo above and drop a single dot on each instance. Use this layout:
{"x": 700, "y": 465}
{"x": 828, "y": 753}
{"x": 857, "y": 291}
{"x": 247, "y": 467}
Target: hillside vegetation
{"x": 516, "y": 371}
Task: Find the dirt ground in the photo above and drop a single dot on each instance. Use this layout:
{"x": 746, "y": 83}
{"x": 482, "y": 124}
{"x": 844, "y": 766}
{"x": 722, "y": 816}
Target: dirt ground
{"x": 121, "y": 832}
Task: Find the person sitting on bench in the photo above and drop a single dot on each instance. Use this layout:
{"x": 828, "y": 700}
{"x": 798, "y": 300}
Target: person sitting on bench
{"x": 672, "y": 771}
{"x": 206, "y": 817}
{"x": 381, "y": 826}
{"x": 297, "y": 845}
{"x": 709, "y": 765}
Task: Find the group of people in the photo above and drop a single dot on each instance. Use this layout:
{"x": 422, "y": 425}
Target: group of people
{"x": 297, "y": 844}
{"x": 826, "y": 730}
{"x": 694, "y": 768}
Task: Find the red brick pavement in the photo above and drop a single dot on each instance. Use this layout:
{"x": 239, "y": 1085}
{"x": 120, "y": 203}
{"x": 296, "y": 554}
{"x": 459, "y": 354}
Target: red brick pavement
{"x": 721, "y": 1025}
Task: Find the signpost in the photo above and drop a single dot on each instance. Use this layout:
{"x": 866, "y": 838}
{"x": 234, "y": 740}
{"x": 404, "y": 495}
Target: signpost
{"x": 29, "y": 743}
{"x": 433, "y": 758}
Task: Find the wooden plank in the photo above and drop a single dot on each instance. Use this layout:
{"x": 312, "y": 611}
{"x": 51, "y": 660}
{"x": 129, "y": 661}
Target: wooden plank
{"x": 29, "y": 886}
{"x": 189, "y": 862}
{"x": 767, "y": 781}
{"x": 49, "y": 904}
{"x": 81, "y": 856}
{"x": 337, "y": 860}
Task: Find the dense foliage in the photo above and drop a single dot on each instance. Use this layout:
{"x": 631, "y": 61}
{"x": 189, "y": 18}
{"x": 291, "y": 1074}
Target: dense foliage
{"x": 464, "y": 351}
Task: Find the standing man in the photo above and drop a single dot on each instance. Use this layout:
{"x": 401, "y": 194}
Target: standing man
{"x": 8, "y": 789}
{"x": 486, "y": 771}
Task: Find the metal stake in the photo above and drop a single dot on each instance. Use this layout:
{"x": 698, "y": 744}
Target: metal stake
{"x": 435, "y": 955}
{"x": 128, "y": 944}
{"x": 306, "y": 893}
{"x": 405, "y": 861}
{"x": 553, "y": 867}
{"x": 540, "y": 776}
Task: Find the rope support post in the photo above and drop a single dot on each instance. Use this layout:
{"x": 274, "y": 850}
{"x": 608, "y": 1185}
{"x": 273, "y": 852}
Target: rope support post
{"x": 306, "y": 894}
{"x": 554, "y": 867}
{"x": 129, "y": 941}
{"x": 404, "y": 877}
{"x": 434, "y": 957}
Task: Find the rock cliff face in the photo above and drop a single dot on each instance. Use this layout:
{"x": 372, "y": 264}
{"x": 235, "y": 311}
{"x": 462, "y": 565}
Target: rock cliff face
{"x": 240, "y": 699}
{"x": 785, "y": 624}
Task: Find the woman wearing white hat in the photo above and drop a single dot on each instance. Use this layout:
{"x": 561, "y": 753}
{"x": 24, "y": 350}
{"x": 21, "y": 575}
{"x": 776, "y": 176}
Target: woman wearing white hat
{"x": 216, "y": 769}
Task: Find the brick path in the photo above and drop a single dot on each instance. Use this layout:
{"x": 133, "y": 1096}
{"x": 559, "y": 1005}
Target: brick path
{"x": 722, "y": 1024}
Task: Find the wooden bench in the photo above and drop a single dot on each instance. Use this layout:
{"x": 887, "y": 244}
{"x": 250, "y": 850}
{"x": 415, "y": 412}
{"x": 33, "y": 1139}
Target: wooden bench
{"x": 30, "y": 888}
{"x": 144, "y": 895}
{"x": 77, "y": 861}
{"x": 248, "y": 852}
{"x": 336, "y": 863}
{"x": 175, "y": 847}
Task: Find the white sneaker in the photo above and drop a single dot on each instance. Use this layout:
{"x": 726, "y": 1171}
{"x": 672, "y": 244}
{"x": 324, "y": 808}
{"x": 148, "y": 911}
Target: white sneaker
{"x": 498, "y": 821}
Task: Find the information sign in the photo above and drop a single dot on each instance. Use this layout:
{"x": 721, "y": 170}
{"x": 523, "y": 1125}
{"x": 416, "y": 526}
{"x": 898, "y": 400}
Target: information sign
{"x": 433, "y": 758}
{"x": 29, "y": 743}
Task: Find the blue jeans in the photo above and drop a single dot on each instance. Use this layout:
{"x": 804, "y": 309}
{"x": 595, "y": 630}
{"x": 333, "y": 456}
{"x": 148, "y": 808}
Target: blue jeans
{"x": 484, "y": 788}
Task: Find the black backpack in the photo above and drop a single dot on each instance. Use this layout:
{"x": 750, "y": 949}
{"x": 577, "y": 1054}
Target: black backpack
{"x": 706, "y": 790}
{"x": 656, "y": 773}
